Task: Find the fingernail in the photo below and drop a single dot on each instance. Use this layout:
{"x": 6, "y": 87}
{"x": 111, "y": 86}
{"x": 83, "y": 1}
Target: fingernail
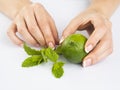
{"x": 87, "y": 62}
{"x": 89, "y": 48}
{"x": 51, "y": 45}
{"x": 37, "y": 45}
{"x": 21, "y": 45}
{"x": 61, "y": 40}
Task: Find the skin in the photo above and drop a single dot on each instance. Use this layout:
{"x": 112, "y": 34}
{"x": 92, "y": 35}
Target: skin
{"x": 95, "y": 19}
{"x": 32, "y": 21}
{"x": 37, "y": 27}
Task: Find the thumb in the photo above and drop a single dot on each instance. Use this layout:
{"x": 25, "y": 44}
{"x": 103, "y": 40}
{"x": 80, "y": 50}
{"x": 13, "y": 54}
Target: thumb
{"x": 70, "y": 29}
{"x": 79, "y": 22}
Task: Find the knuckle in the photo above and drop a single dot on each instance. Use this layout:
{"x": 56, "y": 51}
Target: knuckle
{"x": 94, "y": 41}
{"x": 103, "y": 27}
{"x": 109, "y": 24}
{"x": 38, "y": 5}
{"x": 42, "y": 43}
{"x": 20, "y": 30}
{"x": 32, "y": 28}
{"x": 9, "y": 33}
{"x": 18, "y": 43}
{"x": 44, "y": 25}
{"x": 51, "y": 20}
{"x": 32, "y": 42}
{"x": 26, "y": 9}
{"x": 110, "y": 50}
{"x": 94, "y": 58}
{"x": 48, "y": 37}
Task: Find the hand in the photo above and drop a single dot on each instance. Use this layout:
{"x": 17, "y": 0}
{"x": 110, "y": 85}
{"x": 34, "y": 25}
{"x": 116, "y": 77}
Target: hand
{"x": 99, "y": 44}
{"x": 35, "y": 26}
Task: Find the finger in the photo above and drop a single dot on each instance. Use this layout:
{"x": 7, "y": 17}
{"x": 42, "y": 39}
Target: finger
{"x": 44, "y": 25}
{"x": 76, "y": 23}
{"x": 105, "y": 54}
{"x": 12, "y": 35}
{"x": 89, "y": 62}
{"x": 71, "y": 28}
{"x": 33, "y": 27}
{"x": 48, "y": 35}
{"x": 22, "y": 29}
{"x": 54, "y": 31}
{"x": 98, "y": 33}
{"x": 103, "y": 49}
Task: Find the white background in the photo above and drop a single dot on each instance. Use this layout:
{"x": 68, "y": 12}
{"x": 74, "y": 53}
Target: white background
{"x": 102, "y": 76}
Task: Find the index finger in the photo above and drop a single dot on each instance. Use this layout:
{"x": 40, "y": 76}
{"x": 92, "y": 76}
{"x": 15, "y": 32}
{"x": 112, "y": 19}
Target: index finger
{"x": 43, "y": 22}
{"x": 100, "y": 30}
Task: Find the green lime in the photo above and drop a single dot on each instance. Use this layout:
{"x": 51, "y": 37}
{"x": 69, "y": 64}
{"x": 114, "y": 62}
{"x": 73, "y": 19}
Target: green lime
{"x": 72, "y": 48}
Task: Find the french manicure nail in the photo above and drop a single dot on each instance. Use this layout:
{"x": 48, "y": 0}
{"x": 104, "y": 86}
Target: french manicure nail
{"x": 61, "y": 40}
{"x": 89, "y": 48}
{"x": 51, "y": 45}
{"x": 87, "y": 62}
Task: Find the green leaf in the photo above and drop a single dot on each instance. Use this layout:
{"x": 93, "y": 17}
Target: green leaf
{"x": 51, "y": 55}
{"x": 31, "y": 51}
{"x": 32, "y": 61}
{"x": 43, "y": 55}
{"x": 57, "y": 69}
{"x": 58, "y": 50}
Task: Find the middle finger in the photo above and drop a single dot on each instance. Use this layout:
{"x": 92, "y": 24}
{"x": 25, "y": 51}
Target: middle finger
{"x": 33, "y": 27}
{"x": 97, "y": 53}
{"x": 43, "y": 21}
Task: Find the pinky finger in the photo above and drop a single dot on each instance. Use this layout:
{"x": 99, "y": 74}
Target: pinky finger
{"x": 105, "y": 54}
{"x": 96, "y": 58}
{"x": 12, "y": 35}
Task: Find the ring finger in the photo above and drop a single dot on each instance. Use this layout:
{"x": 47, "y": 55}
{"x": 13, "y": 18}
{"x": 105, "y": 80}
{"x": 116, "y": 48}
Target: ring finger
{"x": 33, "y": 27}
{"x": 102, "y": 50}
{"x": 22, "y": 29}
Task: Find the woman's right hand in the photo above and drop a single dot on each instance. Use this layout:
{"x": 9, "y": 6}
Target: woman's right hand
{"x": 35, "y": 25}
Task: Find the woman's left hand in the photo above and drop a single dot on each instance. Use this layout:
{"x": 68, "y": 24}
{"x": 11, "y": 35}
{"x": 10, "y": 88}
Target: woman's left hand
{"x": 99, "y": 45}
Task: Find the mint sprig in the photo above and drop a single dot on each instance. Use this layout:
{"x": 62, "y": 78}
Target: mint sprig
{"x": 32, "y": 61}
{"x": 31, "y": 51}
{"x": 43, "y": 55}
{"x": 57, "y": 69}
{"x": 51, "y": 54}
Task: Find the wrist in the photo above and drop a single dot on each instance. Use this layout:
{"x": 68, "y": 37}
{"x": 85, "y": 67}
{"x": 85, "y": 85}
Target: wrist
{"x": 18, "y": 8}
{"x": 11, "y": 9}
{"x": 101, "y": 10}
{"x": 104, "y": 7}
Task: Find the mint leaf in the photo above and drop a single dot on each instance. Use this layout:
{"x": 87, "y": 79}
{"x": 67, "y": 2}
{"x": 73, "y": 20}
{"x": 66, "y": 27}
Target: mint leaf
{"x": 57, "y": 69}
{"x": 31, "y": 51}
{"x": 43, "y": 55}
{"x": 32, "y": 61}
{"x": 39, "y": 56}
{"x": 58, "y": 50}
{"x": 51, "y": 54}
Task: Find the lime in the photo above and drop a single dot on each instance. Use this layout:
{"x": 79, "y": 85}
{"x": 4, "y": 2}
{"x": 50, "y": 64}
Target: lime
{"x": 72, "y": 48}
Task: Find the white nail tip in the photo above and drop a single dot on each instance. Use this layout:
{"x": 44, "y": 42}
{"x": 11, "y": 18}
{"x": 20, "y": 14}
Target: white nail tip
{"x": 89, "y": 48}
{"x": 61, "y": 40}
